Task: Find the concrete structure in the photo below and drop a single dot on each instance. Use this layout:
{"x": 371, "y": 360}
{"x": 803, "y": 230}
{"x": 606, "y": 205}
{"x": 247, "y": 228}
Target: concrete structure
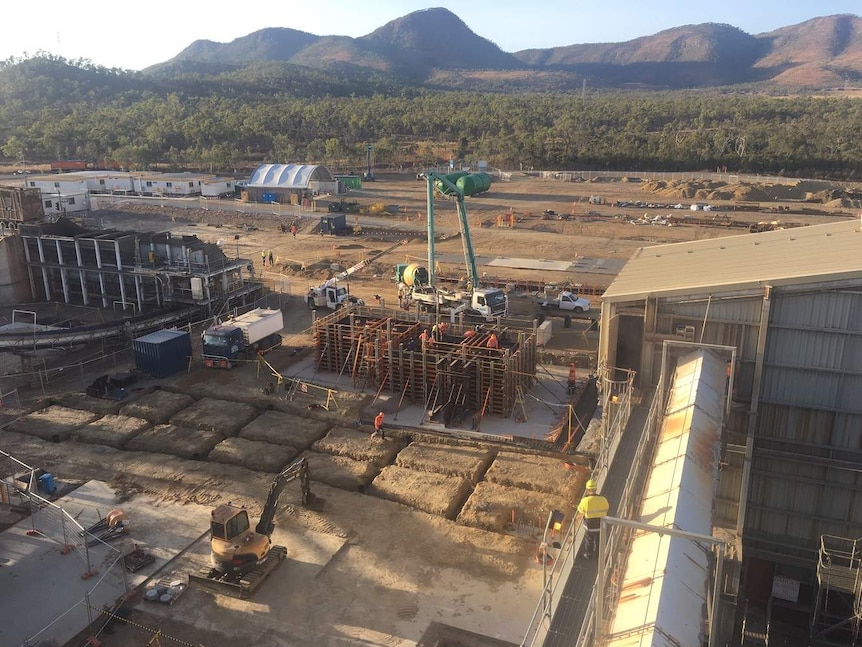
{"x": 453, "y": 376}
{"x": 288, "y": 183}
{"x": 127, "y": 269}
{"x": 790, "y": 302}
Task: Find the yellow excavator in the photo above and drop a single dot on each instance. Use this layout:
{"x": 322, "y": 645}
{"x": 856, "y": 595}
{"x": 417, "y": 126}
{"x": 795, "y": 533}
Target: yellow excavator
{"x": 242, "y": 558}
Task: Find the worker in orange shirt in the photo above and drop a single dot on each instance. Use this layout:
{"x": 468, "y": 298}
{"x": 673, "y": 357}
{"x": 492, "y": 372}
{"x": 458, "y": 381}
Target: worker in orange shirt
{"x": 425, "y": 338}
{"x": 441, "y": 330}
{"x": 378, "y": 426}
{"x": 573, "y": 378}
{"x": 493, "y": 342}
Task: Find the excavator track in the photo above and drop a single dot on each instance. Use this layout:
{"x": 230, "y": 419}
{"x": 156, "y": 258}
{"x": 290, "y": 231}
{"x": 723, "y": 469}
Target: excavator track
{"x": 239, "y": 585}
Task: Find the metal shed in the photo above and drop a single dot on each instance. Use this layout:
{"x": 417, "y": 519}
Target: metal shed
{"x": 790, "y": 302}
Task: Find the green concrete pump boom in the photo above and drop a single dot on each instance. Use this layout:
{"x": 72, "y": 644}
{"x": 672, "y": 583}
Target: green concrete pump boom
{"x": 466, "y": 241}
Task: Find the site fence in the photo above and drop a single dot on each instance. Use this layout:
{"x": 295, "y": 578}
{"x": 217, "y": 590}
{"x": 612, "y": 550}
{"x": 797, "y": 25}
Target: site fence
{"x": 95, "y": 570}
{"x": 614, "y": 421}
{"x": 42, "y": 380}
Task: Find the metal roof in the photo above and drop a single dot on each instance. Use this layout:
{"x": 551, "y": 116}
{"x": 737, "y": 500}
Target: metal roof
{"x": 664, "y": 591}
{"x": 288, "y": 176}
{"x": 749, "y": 261}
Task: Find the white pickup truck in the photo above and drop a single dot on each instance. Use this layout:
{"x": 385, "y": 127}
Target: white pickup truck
{"x": 564, "y": 301}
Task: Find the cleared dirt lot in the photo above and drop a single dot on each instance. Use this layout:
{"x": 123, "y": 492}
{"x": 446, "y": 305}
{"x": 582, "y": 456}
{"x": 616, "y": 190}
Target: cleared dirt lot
{"x": 418, "y": 530}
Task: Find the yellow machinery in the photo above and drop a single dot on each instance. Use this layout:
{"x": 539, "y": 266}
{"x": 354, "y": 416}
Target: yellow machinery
{"x": 241, "y": 557}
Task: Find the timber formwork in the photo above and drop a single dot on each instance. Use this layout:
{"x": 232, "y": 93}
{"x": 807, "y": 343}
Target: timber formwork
{"x": 382, "y": 349}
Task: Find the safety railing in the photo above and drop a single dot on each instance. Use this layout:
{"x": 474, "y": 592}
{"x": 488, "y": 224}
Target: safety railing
{"x": 101, "y": 571}
{"x": 570, "y": 545}
{"x": 617, "y": 539}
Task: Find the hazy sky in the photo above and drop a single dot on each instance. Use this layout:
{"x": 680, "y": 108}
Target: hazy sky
{"x": 136, "y": 35}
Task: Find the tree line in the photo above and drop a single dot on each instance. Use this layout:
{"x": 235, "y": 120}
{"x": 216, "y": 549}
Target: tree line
{"x": 231, "y": 122}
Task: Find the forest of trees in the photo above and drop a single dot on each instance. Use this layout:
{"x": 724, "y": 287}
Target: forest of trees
{"x": 226, "y": 122}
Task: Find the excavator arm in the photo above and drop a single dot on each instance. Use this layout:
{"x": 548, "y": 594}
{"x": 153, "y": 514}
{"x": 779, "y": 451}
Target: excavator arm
{"x": 297, "y": 470}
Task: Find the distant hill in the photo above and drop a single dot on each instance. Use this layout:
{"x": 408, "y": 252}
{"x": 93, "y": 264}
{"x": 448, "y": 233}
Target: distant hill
{"x": 434, "y": 47}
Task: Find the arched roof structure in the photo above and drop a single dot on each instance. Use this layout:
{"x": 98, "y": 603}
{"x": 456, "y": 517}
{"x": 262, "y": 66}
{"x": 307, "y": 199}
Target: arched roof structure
{"x": 289, "y": 176}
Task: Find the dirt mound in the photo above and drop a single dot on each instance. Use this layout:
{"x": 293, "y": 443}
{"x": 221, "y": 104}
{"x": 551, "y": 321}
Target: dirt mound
{"x": 711, "y": 190}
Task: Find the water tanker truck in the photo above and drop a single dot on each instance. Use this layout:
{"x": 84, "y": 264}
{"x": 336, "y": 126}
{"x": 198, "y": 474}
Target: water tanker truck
{"x": 240, "y": 337}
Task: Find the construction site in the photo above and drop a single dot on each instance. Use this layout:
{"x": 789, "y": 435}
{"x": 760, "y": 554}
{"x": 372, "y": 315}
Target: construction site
{"x": 220, "y": 476}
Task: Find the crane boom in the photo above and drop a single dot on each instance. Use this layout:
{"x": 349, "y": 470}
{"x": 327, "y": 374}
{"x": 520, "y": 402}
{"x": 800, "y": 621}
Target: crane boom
{"x": 297, "y": 470}
{"x": 360, "y": 265}
{"x": 466, "y": 240}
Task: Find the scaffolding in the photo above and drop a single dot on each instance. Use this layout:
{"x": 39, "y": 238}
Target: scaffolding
{"x": 451, "y": 373}
{"x": 838, "y": 609}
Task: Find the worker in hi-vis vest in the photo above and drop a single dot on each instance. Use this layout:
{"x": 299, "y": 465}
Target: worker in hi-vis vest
{"x": 592, "y": 508}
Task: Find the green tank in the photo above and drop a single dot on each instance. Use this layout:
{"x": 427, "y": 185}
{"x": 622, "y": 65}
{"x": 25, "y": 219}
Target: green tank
{"x": 474, "y": 183}
{"x": 453, "y": 178}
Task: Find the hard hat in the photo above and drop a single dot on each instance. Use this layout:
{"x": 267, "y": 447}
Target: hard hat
{"x": 591, "y": 484}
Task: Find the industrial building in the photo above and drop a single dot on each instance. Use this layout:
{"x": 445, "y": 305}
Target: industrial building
{"x": 129, "y": 270}
{"x": 783, "y": 309}
{"x": 288, "y": 183}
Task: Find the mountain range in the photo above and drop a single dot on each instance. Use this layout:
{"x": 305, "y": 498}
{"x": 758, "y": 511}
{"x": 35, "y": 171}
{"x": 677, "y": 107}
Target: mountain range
{"x": 435, "y": 49}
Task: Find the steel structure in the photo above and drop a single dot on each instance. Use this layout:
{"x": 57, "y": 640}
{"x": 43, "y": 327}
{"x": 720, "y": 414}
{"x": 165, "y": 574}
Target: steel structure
{"x": 382, "y": 348}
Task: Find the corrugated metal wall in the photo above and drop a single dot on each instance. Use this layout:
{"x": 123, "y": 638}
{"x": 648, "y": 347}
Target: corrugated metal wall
{"x": 807, "y": 469}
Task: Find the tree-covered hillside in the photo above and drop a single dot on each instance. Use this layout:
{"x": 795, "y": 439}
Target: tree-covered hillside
{"x": 54, "y": 109}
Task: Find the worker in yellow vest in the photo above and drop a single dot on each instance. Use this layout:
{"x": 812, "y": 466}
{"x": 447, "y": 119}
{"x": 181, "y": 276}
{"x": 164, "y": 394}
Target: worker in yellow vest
{"x": 592, "y": 508}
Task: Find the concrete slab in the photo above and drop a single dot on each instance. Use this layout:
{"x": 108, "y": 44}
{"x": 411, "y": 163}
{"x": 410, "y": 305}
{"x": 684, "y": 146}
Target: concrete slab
{"x": 583, "y": 264}
{"x": 530, "y": 264}
{"x": 38, "y": 583}
{"x": 545, "y": 406}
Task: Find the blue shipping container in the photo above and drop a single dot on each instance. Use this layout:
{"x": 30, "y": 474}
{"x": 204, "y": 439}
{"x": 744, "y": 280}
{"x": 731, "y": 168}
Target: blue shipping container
{"x": 163, "y": 353}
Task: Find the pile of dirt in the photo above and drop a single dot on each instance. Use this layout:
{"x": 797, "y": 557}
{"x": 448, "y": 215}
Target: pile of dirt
{"x": 253, "y": 454}
{"x": 182, "y": 442}
{"x": 499, "y": 508}
{"x": 536, "y": 473}
{"x": 223, "y": 416}
{"x": 84, "y": 402}
{"x": 466, "y": 462}
{"x": 54, "y": 423}
{"x": 285, "y": 429}
{"x": 711, "y": 190}
{"x": 358, "y": 446}
{"x": 436, "y": 494}
{"x": 111, "y": 430}
{"x": 157, "y": 407}
{"x": 340, "y": 471}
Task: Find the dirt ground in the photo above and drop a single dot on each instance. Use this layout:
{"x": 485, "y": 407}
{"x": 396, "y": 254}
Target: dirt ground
{"x": 398, "y": 202}
{"x": 415, "y": 563}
